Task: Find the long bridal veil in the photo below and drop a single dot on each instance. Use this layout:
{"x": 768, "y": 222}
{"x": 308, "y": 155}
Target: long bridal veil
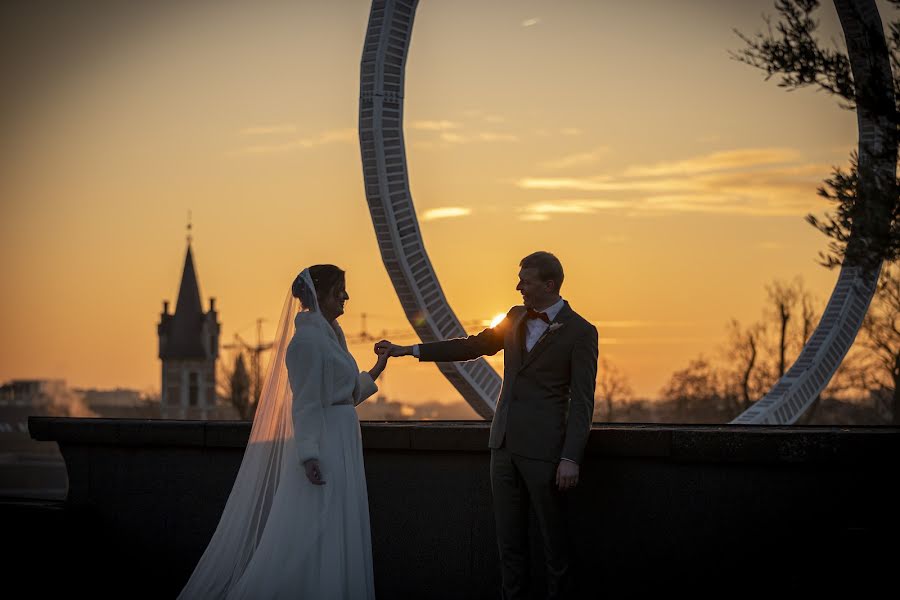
{"x": 249, "y": 504}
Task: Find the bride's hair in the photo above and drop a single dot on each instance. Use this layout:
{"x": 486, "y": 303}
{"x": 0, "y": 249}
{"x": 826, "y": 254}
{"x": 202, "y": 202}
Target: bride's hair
{"x": 324, "y": 278}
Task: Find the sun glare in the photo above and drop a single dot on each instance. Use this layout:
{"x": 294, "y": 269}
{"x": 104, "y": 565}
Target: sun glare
{"x": 496, "y": 320}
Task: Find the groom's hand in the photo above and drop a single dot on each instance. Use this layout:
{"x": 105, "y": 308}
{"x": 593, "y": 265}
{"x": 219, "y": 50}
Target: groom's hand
{"x": 385, "y": 346}
{"x": 566, "y": 475}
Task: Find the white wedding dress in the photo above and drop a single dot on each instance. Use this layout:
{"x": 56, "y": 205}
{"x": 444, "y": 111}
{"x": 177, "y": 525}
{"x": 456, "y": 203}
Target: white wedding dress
{"x": 280, "y": 536}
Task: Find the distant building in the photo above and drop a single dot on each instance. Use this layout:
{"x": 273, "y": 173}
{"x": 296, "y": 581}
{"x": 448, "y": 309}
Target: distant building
{"x": 188, "y": 349}
{"x": 120, "y": 403}
{"x": 32, "y": 392}
{"x": 118, "y": 397}
{"x": 22, "y": 398}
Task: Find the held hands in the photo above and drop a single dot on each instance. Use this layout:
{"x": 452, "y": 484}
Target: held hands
{"x": 566, "y": 475}
{"x": 381, "y": 363}
{"x": 385, "y": 346}
{"x": 313, "y": 473}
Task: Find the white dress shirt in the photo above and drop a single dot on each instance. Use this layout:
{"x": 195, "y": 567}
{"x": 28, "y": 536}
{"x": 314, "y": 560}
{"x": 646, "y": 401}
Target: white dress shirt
{"x": 535, "y": 328}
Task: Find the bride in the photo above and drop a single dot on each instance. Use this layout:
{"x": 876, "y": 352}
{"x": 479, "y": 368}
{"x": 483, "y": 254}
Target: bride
{"x": 296, "y": 523}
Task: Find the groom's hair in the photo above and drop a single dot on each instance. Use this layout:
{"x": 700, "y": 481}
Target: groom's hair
{"x": 547, "y": 265}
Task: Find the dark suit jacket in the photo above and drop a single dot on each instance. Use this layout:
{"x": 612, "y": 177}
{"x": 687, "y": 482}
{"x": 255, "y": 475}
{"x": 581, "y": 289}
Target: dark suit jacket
{"x": 547, "y": 399}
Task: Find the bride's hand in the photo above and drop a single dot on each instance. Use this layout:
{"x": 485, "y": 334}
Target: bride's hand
{"x": 383, "y": 360}
{"x": 380, "y": 364}
{"x": 313, "y": 473}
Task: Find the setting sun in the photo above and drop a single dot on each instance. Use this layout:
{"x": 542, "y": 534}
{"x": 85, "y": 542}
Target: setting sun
{"x": 496, "y": 320}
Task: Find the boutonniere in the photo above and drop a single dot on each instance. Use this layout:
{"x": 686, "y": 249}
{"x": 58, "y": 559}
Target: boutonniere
{"x": 553, "y": 327}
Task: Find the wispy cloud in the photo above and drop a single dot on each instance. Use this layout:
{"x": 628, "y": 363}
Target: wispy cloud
{"x": 534, "y": 217}
{"x": 444, "y": 132}
{"x": 531, "y": 22}
{"x": 754, "y": 181}
{"x": 326, "y": 137}
{"x": 601, "y": 183}
{"x": 717, "y": 161}
{"x": 271, "y": 129}
{"x": 570, "y": 131}
{"x": 576, "y": 160}
{"x": 446, "y": 212}
{"x": 541, "y": 211}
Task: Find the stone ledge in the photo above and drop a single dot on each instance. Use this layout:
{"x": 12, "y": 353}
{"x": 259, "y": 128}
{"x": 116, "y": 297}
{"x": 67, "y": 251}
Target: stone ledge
{"x": 660, "y": 508}
{"x": 703, "y": 443}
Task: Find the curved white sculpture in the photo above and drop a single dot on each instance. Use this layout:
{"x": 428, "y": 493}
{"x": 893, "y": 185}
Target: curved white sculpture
{"x": 382, "y": 72}
{"x": 390, "y": 203}
{"x": 846, "y": 309}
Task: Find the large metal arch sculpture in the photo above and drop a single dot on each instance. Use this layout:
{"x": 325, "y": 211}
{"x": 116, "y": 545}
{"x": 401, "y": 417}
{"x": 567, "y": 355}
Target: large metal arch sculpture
{"x": 386, "y": 179}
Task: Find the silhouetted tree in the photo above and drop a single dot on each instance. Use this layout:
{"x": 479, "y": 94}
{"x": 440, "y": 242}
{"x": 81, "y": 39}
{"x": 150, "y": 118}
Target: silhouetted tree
{"x": 695, "y": 390}
{"x": 792, "y": 318}
{"x": 783, "y": 298}
{"x": 752, "y": 358}
{"x": 743, "y": 353}
{"x": 613, "y": 388}
{"x": 881, "y": 337}
{"x": 747, "y": 365}
{"x": 871, "y": 370}
{"x": 791, "y": 50}
{"x": 808, "y": 314}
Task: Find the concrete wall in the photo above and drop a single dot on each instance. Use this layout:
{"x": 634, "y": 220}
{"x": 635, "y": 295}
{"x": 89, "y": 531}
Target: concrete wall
{"x": 659, "y": 508}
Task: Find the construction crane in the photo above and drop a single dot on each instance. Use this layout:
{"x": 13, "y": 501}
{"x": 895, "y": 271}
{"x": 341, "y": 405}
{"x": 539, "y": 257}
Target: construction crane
{"x": 255, "y": 351}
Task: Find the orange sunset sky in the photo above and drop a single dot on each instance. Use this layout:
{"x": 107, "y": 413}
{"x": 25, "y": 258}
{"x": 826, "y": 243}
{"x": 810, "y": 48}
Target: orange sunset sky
{"x": 671, "y": 180}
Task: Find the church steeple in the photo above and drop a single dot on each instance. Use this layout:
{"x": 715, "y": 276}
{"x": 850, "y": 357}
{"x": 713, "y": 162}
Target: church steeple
{"x": 184, "y": 329}
{"x": 189, "y": 346}
{"x": 189, "y": 303}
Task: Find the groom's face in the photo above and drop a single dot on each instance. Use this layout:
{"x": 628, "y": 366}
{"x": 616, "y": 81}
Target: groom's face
{"x": 535, "y": 292}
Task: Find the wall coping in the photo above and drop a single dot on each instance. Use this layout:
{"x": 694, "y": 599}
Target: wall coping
{"x": 704, "y": 443}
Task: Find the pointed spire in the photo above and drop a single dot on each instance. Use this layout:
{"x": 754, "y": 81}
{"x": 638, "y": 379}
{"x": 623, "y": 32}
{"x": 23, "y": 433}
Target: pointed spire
{"x": 186, "y": 327}
{"x": 189, "y": 292}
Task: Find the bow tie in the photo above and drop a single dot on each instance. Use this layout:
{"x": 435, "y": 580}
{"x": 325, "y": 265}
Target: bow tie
{"x": 533, "y": 314}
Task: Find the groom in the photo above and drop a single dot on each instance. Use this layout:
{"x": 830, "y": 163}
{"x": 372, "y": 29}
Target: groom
{"x": 542, "y": 420}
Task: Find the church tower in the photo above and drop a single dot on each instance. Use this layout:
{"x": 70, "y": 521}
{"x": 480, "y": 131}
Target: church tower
{"x": 188, "y": 348}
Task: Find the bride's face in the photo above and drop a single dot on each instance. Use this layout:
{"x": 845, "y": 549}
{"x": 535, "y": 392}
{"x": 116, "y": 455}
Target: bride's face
{"x": 332, "y": 305}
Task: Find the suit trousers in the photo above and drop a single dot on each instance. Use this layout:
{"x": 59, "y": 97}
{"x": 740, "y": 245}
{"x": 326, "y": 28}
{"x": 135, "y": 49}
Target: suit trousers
{"x": 517, "y": 483}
